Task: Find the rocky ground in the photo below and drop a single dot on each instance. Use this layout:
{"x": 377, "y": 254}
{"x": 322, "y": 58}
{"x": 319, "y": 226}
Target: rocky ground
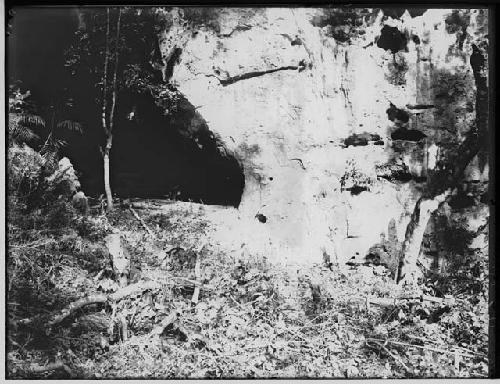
{"x": 250, "y": 317}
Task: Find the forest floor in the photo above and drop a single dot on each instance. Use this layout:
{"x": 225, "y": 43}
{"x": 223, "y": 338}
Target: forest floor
{"x": 249, "y": 318}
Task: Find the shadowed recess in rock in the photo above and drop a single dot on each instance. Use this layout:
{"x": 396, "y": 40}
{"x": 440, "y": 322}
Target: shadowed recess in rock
{"x": 361, "y": 139}
{"x": 175, "y": 156}
{"x": 392, "y": 39}
{"x": 407, "y": 134}
{"x": 397, "y": 115}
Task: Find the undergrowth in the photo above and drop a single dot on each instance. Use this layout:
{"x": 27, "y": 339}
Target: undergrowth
{"x": 252, "y": 319}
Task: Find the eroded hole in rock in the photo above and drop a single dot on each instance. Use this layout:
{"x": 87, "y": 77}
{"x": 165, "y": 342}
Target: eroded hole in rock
{"x": 397, "y": 115}
{"x": 362, "y": 139}
{"x": 392, "y": 39}
{"x": 262, "y": 218}
{"x": 393, "y": 172}
{"x": 357, "y": 189}
{"x": 408, "y": 134}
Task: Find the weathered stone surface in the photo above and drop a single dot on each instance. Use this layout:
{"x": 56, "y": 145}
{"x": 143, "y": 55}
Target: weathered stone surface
{"x": 120, "y": 258}
{"x": 283, "y": 94}
{"x": 65, "y": 178}
{"x": 80, "y": 202}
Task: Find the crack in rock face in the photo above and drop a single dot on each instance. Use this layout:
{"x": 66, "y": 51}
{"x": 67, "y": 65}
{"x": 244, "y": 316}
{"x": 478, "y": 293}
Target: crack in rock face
{"x": 249, "y": 75}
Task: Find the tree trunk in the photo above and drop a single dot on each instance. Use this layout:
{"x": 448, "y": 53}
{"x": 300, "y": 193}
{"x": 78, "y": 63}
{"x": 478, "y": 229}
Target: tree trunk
{"x": 424, "y": 208}
{"x": 442, "y": 184}
{"x": 105, "y": 77}
{"x": 109, "y": 129}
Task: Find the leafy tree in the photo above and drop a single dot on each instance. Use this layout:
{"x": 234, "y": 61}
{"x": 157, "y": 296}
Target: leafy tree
{"x": 450, "y": 171}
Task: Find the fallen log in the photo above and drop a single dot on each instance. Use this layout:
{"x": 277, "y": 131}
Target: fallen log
{"x": 388, "y": 301}
{"x": 130, "y": 290}
{"x": 197, "y": 272}
{"x": 95, "y": 299}
{"x": 36, "y": 368}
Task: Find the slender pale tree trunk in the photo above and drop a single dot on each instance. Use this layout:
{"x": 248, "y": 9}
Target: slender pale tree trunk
{"x": 109, "y": 127}
{"x": 107, "y": 148}
{"x": 107, "y": 187}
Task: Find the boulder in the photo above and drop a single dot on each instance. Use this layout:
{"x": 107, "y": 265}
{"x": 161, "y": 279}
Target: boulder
{"x": 64, "y": 179}
{"x": 80, "y": 202}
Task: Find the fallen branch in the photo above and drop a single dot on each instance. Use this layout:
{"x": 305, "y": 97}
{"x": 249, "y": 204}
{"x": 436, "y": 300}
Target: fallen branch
{"x": 36, "y": 368}
{"x": 197, "y": 273}
{"x": 142, "y": 222}
{"x": 396, "y": 358}
{"x": 169, "y": 320}
{"x": 133, "y": 289}
{"x": 426, "y": 348}
{"x": 96, "y": 299}
{"x": 75, "y": 306}
{"x": 383, "y": 301}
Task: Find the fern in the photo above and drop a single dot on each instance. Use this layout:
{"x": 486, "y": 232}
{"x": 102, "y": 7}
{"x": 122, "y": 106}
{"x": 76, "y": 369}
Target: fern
{"x": 21, "y": 134}
{"x": 32, "y": 120}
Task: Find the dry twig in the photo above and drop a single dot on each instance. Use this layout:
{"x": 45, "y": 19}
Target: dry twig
{"x": 142, "y": 223}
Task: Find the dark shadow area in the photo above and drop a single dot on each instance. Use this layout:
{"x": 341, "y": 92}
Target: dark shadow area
{"x": 153, "y": 155}
{"x": 362, "y": 139}
{"x": 175, "y": 156}
{"x": 397, "y": 115}
{"x": 392, "y": 39}
{"x": 407, "y": 134}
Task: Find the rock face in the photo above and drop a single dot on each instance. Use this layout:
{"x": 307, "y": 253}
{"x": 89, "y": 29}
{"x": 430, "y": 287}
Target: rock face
{"x": 312, "y": 100}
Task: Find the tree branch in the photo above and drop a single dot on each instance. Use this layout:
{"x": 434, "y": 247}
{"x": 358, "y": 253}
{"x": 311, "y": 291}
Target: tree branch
{"x": 105, "y": 77}
{"x": 113, "y": 105}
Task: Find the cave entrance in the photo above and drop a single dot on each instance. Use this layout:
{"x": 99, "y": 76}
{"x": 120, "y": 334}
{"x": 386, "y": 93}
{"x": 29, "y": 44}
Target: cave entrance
{"x": 175, "y": 156}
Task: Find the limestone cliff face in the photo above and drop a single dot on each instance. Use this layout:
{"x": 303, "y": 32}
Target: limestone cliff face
{"x": 335, "y": 125}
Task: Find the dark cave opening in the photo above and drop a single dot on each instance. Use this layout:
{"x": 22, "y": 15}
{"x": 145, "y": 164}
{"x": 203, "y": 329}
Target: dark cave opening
{"x": 173, "y": 156}
{"x": 161, "y": 156}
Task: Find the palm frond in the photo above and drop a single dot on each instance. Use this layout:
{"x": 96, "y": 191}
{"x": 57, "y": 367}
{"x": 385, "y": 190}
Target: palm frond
{"x": 70, "y": 125}
{"x": 32, "y": 120}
